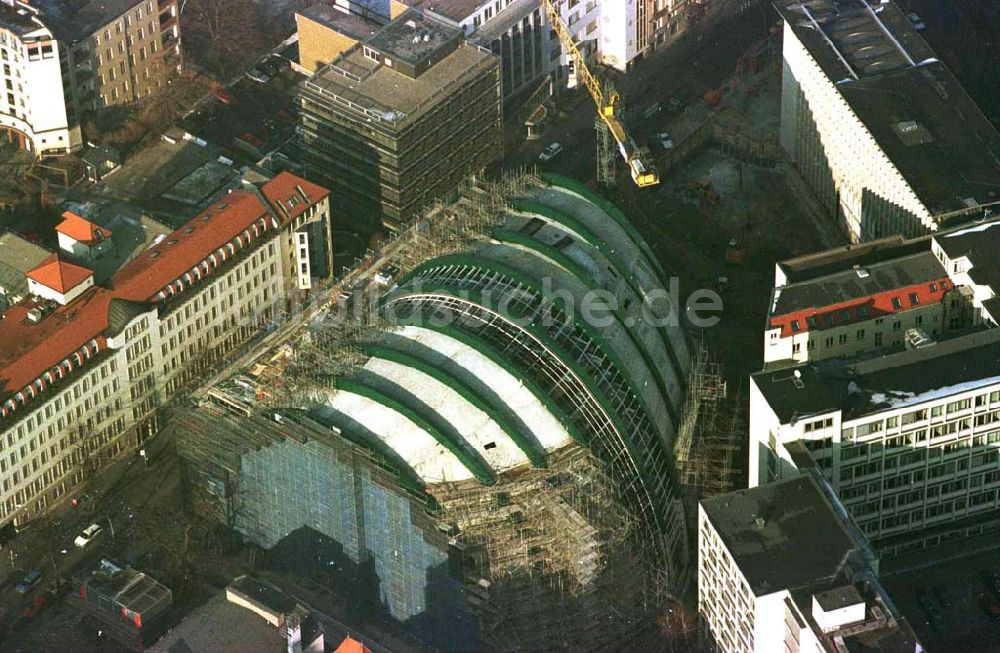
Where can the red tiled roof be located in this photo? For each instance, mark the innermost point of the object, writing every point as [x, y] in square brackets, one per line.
[59, 275]
[82, 230]
[876, 305]
[351, 645]
[28, 349]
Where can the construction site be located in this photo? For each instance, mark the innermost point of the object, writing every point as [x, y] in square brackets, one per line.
[514, 469]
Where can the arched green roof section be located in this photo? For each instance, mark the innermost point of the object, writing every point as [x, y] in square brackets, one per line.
[627, 372]
[559, 217]
[472, 462]
[609, 208]
[485, 349]
[559, 258]
[476, 297]
[525, 441]
[564, 219]
[384, 455]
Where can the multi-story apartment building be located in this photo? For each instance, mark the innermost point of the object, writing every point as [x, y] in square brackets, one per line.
[83, 367]
[909, 441]
[401, 118]
[884, 295]
[782, 568]
[880, 129]
[61, 59]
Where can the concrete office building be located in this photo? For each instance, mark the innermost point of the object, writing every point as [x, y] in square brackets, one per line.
[84, 367]
[61, 59]
[884, 295]
[909, 441]
[399, 120]
[881, 130]
[782, 568]
[507, 481]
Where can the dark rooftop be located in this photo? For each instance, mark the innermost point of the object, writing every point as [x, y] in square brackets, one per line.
[846, 285]
[415, 39]
[456, 10]
[838, 597]
[781, 535]
[892, 381]
[981, 244]
[75, 20]
[352, 25]
[818, 264]
[916, 110]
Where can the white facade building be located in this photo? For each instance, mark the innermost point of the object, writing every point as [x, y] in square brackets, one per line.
[909, 441]
[781, 568]
[80, 382]
[884, 296]
[33, 104]
[879, 128]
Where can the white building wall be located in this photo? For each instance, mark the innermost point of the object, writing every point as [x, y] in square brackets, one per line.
[40, 453]
[618, 33]
[45, 292]
[899, 469]
[855, 159]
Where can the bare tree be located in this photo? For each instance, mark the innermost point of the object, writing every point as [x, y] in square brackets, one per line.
[224, 35]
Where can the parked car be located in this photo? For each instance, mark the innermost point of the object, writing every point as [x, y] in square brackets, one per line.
[28, 583]
[652, 110]
[916, 22]
[550, 152]
[223, 96]
[88, 535]
[257, 75]
[665, 141]
[36, 608]
[386, 275]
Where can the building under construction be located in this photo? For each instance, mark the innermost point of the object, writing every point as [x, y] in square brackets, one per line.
[402, 117]
[493, 440]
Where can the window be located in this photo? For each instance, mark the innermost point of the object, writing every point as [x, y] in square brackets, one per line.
[796, 348]
[933, 287]
[914, 299]
[896, 303]
[845, 315]
[862, 312]
[829, 342]
[811, 322]
[860, 334]
[795, 325]
[842, 339]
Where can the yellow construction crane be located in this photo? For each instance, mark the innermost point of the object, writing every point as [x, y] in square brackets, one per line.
[640, 164]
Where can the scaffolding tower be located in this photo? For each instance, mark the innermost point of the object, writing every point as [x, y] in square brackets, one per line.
[707, 444]
[605, 154]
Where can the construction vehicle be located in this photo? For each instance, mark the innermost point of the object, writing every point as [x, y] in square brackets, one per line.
[609, 109]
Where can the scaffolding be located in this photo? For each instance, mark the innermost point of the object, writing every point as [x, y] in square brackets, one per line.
[707, 445]
[546, 554]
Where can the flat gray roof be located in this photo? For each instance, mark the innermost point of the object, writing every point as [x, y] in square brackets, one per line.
[892, 381]
[381, 93]
[981, 244]
[916, 110]
[74, 20]
[456, 10]
[352, 25]
[781, 535]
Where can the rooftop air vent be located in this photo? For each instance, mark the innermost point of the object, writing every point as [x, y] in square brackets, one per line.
[861, 272]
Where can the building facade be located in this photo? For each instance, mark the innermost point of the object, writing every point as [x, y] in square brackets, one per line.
[398, 121]
[61, 60]
[83, 368]
[782, 568]
[879, 128]
[887, 296]
[909, 441]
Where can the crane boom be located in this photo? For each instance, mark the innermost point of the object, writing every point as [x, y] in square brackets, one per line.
[642, 169]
